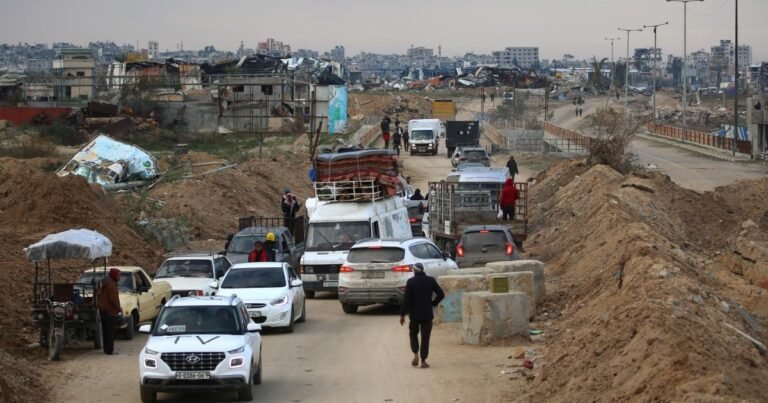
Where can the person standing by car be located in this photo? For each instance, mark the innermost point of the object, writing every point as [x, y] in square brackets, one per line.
[258, 254]
[417, 195]
[418, 304]
[271, 246]
[290, 207]
[508, 199]
[109, 309]
[512, 166]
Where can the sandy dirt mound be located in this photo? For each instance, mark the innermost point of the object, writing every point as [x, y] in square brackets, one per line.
[641, 288]
[34, 203]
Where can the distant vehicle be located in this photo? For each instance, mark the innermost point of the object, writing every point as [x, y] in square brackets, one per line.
[416, 210]
[272, 293]
[191, 273]
[201, 344]
[465, 166]
[461, 133]
[140, 297]
[443, 109]
[375, 271]
[483, 244]
[424, 135]
[472, 154]
[287, 249]
[508, 97]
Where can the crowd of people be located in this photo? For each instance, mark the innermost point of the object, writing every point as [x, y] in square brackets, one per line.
[398, 136]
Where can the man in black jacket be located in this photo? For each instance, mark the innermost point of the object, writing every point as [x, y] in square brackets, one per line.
[418, 304]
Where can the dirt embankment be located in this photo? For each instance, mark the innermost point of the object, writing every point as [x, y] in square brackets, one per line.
[643, 276]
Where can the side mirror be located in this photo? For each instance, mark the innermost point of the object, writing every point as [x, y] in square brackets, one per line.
[253, 327]
[446, 255]
[145, 328]
[214, 284]
[296, 283]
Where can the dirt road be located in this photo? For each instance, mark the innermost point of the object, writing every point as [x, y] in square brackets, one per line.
[333, 357]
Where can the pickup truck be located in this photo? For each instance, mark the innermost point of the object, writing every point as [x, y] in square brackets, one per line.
[140, 297]
[288, 249]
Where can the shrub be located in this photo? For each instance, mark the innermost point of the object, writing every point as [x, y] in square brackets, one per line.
[60, 133]
[28, 147]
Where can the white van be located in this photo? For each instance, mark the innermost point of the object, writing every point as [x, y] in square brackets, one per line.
[334, 226]
[424, 135]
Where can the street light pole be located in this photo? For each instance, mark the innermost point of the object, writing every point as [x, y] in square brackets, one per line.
[654, 64]
[736, 82]
[685, 60]
[613, 72]
[626, 73]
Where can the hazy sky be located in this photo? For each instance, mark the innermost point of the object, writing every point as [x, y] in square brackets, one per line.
[391, 26]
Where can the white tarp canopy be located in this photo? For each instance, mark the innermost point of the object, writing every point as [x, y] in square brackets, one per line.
[105, 161]
[71, 244]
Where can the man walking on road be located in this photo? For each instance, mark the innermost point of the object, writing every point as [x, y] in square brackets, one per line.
[418, 303]
[512, 167]
[109, 309]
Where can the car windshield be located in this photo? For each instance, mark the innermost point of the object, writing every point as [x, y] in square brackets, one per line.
[336, 235]
[260, 277]
[422, 135]
[375, 255]
[484, 242]
[181, 320]
[244, 243]
[124, 284]
[197, 268]
[474, 154]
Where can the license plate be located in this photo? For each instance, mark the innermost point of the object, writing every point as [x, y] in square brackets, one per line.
[373, 274]
[193, 375]
[254, 314]
[330, 284]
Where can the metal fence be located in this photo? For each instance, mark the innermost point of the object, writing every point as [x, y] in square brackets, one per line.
[545, 145]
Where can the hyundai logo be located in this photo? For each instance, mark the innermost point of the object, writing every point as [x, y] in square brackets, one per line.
[192, 359]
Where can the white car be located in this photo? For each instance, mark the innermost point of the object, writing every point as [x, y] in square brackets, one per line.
[375, 271]
[272, 293]
[192, 273]
[201, 344]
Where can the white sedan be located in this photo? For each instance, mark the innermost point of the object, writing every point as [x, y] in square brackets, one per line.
[272, 292]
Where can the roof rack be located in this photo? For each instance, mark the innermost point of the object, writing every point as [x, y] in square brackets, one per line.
[232, 299]
[349, 191]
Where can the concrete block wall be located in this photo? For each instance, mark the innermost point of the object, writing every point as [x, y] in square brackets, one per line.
[514, 266]
[488, 317]
[449, 309]
[520, 282]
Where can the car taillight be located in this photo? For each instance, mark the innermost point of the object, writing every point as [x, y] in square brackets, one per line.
[346, 269]
[412, 219]
[200, 293]
[460, 250]
[510, 248]
[402, 269]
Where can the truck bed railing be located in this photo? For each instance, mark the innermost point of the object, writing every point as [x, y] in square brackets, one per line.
[347, 191]
[296, 226]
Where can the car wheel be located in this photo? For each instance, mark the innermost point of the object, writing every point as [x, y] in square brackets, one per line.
[147, 396]
[303, 317]
[257, 377]
[309, 294]
[246, 393]
[289, 328]
[348, 308]
[55, 345]
[130, 328]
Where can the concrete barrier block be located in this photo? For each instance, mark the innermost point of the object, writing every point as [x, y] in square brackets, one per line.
[487, 317]
[474, 270]
[449, 309]
[520, 282]
[513, 266]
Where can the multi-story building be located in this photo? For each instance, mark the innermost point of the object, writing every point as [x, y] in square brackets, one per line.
[306, 53]
[523, 57]
[152, 50]
[337, 54]
[272, 47]
[75, 68]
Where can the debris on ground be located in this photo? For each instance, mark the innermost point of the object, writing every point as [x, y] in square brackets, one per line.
[107, 161]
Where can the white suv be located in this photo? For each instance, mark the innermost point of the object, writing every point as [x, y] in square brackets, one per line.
[375, 271]
[192, 273]
[201, 344]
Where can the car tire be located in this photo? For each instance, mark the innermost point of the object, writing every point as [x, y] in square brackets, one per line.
[309, 294]
[246, 393]
[130, 328]
[55, 345]
[289, 328]
[147, 396]
[348, 308]
[303, 317]
[259, 371]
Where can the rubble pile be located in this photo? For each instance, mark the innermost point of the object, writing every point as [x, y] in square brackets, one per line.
[644, 286]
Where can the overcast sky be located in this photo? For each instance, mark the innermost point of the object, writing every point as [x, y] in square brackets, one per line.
[391, 26]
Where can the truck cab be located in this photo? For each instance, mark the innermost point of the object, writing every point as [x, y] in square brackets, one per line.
[424, 135]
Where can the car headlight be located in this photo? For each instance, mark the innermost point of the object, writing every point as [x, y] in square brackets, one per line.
[147, 350]
[237, 350]
[280, 301]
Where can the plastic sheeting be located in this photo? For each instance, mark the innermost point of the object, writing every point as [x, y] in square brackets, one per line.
[105, 160]
[71, 244]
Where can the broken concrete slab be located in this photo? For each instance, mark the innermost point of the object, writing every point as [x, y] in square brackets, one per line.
[449, 309]
[520, 282]
[513, 266]
[107, 161]
[473, 270]
[488, 317]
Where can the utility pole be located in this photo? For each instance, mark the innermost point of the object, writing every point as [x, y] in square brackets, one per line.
[736, 82]
[654, 64]
[613, 72]
[626, 74]
[685, 61]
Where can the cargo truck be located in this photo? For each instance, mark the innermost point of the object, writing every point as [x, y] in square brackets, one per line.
[443, 109]
[461, 133]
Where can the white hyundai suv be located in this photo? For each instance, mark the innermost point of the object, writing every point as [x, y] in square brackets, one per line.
[375, 271]
[201, 344]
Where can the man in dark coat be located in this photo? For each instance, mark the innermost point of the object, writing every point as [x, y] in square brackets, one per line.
[418, 304]
[109, 309]
[417, 195]
[512, 166]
